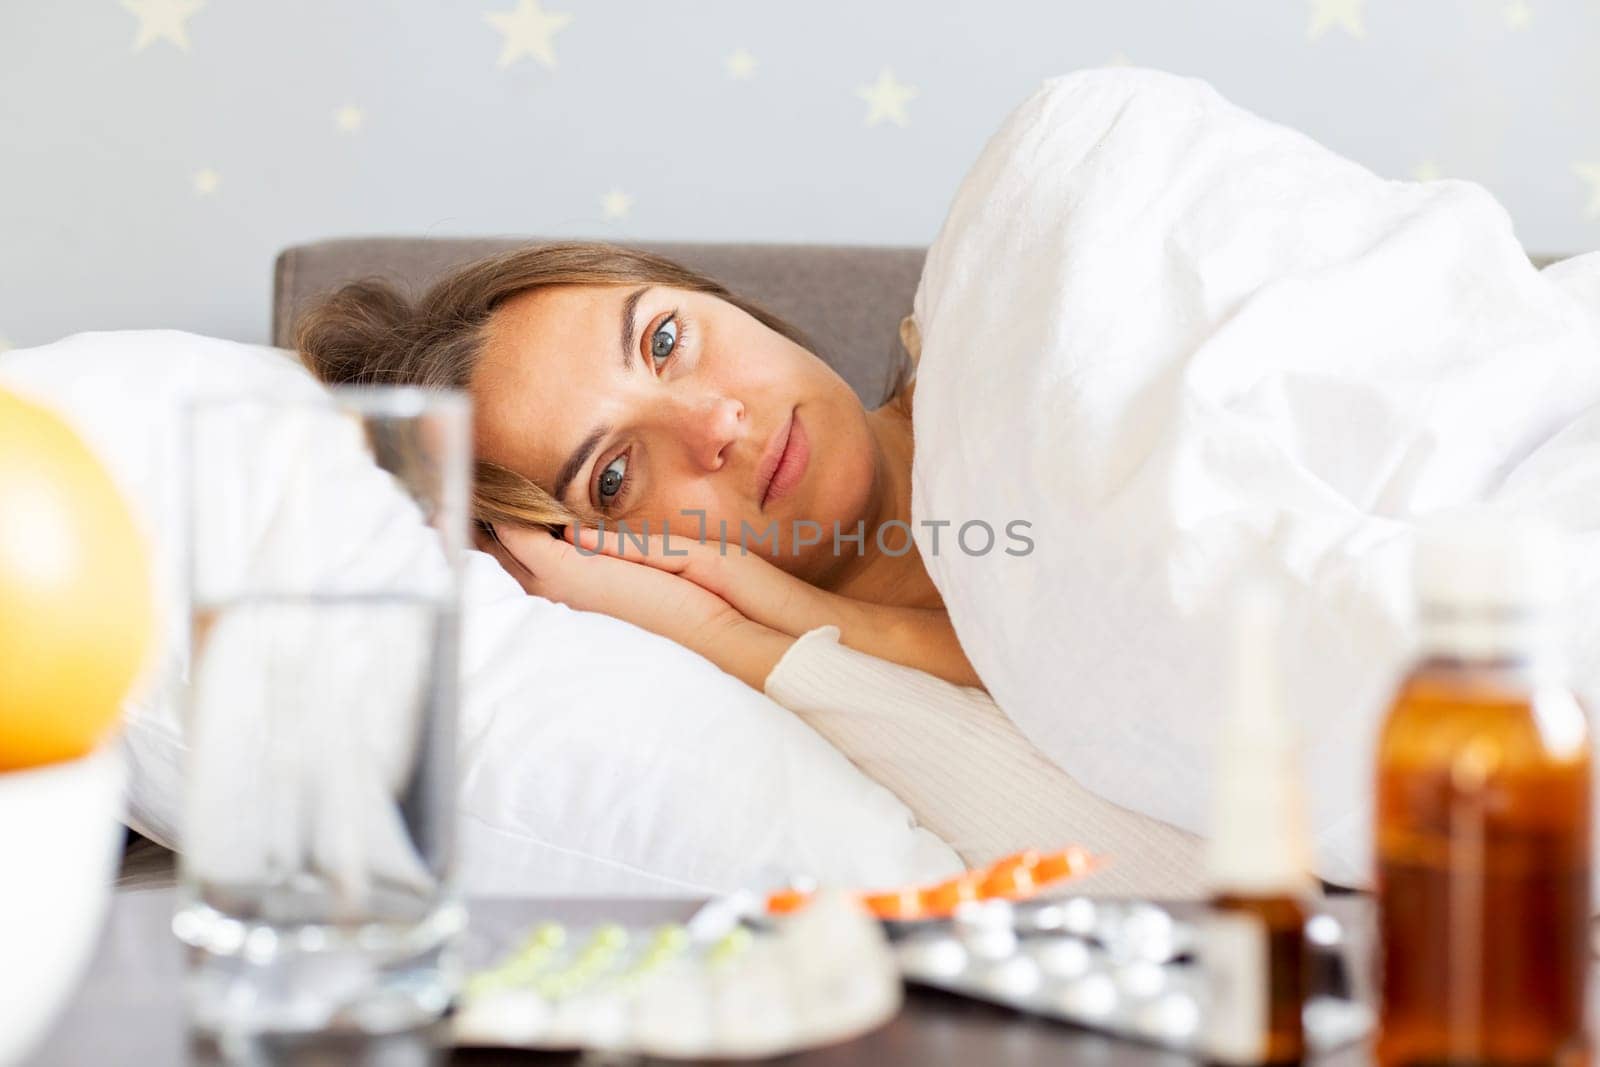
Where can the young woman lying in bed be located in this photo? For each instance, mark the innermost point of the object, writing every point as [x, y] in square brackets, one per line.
[1212, 351]
[618, 394]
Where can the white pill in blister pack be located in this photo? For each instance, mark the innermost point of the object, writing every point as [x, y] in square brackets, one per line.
[1141, 979]
[990, 944]
[1015, 976]
[1175, 1018]
[1149, 933]
[1092, 998]
[1060, 957]
[1079, 916]
[943, 957]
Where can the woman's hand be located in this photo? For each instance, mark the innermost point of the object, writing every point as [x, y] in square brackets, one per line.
[654, 599]
[764, 593]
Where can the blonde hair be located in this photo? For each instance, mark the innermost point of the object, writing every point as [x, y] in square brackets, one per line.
[367, 333]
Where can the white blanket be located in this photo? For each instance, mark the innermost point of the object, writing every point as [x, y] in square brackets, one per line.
[1190, 346]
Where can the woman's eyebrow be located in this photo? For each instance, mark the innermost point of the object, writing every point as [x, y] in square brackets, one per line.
[580, 456]
[629, 307]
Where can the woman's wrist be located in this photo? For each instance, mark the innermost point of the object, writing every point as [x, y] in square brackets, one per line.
[745, 649]
[913, 637]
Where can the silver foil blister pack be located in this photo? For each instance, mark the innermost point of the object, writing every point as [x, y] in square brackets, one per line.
[1127, 968]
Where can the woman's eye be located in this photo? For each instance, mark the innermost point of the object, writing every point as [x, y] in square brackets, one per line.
[664, 340]
[611, 479]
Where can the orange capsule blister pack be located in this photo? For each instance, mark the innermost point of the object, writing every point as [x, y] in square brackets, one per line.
[1015, 877]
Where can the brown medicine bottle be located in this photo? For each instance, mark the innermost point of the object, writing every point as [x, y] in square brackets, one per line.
[1483, 812]
[1258, 858]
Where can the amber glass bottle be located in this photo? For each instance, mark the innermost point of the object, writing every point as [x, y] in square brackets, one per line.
[1483, 809]
[1252, 936]
[1270, 932]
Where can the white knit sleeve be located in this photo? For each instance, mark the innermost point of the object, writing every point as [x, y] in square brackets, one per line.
[966, 771]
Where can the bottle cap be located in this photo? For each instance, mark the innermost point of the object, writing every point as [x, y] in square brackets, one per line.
[1489, 563]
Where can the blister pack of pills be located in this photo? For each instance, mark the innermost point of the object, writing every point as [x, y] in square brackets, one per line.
[1121, 967]
[1018, 876]
[711, 987]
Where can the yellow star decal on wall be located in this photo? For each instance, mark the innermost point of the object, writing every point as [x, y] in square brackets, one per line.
[349, 119]
[162, 20]
[1426, 171]
[528, 30]
[616, 204]
[886, 100]
[1348, 15]
[206, 182]
[1590, 172]
[1518, 15]
[740, 64]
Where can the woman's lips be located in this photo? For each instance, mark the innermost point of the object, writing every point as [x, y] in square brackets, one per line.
[784, 462]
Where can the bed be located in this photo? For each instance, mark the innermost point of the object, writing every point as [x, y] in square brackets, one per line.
[848, 299]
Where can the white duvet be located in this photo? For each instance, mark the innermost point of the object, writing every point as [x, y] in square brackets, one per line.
[1189, 346]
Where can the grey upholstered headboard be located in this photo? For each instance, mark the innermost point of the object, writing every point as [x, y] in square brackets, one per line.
[848, 300]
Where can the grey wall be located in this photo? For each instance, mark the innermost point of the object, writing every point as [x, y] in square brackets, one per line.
[151, 185]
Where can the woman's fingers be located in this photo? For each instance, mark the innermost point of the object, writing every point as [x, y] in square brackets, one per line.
[658, 551]
[492, 545]
[547, 566]
[535, 549]
[759, 589]
[668, 604]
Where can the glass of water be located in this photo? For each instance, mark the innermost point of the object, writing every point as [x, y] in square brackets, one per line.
[326, 536]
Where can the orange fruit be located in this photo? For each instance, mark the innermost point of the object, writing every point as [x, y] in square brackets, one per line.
[76, 611]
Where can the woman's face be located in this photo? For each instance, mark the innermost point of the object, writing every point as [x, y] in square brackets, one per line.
[645, 403]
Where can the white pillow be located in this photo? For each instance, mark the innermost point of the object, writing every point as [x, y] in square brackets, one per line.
[595, 758]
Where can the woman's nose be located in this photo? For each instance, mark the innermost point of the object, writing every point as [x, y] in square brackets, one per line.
[713, 424]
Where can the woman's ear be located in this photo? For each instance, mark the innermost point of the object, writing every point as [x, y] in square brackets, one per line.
[911, 338]
[483, 536]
